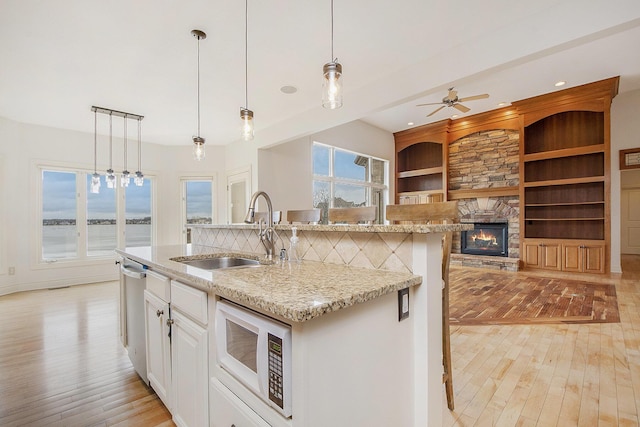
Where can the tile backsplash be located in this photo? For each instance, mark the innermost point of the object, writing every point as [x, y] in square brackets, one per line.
[385, 251]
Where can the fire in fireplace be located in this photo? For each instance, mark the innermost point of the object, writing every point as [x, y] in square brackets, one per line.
[486, 239]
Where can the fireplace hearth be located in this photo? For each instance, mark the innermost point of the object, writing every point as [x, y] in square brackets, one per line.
[489, 239]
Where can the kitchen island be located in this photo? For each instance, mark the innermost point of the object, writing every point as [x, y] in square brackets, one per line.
[354, 361]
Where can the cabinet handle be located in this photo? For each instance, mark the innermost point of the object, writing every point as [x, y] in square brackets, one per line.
[169, 322]
[159, 313]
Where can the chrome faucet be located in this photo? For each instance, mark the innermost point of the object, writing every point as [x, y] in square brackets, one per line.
[266, 235]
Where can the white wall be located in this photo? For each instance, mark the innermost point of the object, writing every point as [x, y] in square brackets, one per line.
[23, 147]
[625, 133]
[284, 171]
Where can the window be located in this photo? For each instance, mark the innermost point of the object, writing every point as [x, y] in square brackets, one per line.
[344, 179]
[102, 232]
[59, 215]
[138, 229]
[77, 224]
[197, 203]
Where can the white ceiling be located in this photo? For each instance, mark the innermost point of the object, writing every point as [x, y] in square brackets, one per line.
[57, 59]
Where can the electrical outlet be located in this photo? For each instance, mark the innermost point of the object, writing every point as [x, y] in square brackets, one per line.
[12, 271]
[403, 304]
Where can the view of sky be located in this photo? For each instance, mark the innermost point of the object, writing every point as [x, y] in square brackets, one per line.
[199, 199]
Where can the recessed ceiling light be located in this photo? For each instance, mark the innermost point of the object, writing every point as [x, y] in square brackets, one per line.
[455, 116]
[410, 124]
[288, 89]
[502, 104]
[560, 83]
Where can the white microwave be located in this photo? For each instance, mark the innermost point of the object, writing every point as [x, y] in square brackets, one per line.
[256, 350]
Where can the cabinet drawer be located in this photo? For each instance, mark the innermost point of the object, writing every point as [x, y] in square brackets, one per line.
[190, 301]
[159, 285]
[228, 410]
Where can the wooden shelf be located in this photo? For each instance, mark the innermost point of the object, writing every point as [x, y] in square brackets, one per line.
[564, 204]
[420, 172]
[558, 182]
[567, 152]
[417, 193]
[565, 219]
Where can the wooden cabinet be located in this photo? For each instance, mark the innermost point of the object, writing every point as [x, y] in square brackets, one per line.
[564, 174]
[420, 163]
[542, 254]
[583, 257]
[158, 346]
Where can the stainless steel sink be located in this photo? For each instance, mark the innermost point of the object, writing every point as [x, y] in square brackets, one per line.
[220, 262]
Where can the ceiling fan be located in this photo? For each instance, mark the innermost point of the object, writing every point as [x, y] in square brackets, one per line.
[452, 100]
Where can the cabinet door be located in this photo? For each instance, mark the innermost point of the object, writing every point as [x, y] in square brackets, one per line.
[532, 252]
[228, 410]
[572, 257]
[158, 346]
[593, 258]
[190, 398]
[551, 256]
[583, 258]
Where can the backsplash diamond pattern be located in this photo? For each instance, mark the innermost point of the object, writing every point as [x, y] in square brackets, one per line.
[387, 251]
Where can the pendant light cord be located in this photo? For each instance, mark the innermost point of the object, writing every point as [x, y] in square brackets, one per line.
[95, 142]
[332, 59]
[198, 86]
[125, 142]
[111, 141]
[246, 54]
[139, 146]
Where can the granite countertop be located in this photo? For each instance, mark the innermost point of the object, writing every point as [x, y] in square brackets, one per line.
[296, 292]
[361, 228]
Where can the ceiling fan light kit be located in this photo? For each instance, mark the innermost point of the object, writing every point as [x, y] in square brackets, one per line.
[452, 100]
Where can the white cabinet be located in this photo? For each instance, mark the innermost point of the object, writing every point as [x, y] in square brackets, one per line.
[228, 410]
[189, 359]
[158, 346]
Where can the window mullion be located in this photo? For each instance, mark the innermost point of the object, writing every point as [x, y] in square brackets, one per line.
[81, 214]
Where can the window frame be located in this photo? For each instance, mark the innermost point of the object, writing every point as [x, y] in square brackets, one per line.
[82, 258]
[368, 183]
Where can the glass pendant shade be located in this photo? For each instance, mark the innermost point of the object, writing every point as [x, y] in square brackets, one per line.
[332, 85]
[198, 148]
[125, 178]
[95, 183]
[247, 124]
[111, 179]
[139, 179]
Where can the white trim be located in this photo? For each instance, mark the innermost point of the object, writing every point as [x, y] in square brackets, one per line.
[242, 174]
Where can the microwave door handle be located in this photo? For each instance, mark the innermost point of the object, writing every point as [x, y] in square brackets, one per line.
[262, 355]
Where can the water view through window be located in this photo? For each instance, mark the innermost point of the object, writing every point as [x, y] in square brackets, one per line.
[62, 203]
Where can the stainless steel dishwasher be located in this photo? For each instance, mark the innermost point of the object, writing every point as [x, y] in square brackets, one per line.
[132, 284]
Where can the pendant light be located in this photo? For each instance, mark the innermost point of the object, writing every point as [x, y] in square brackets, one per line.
[246, 115]
[198, 141]
[139, 179]
[332, 78]
[111, 177]
[95, 178]
[125, 178]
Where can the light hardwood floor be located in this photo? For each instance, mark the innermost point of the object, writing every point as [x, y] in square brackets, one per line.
[61, 364]
[552, 375]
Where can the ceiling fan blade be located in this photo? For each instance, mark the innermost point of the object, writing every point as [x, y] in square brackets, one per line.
[435, 111]
[461, 107]
[431, 103]
[474, 97]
